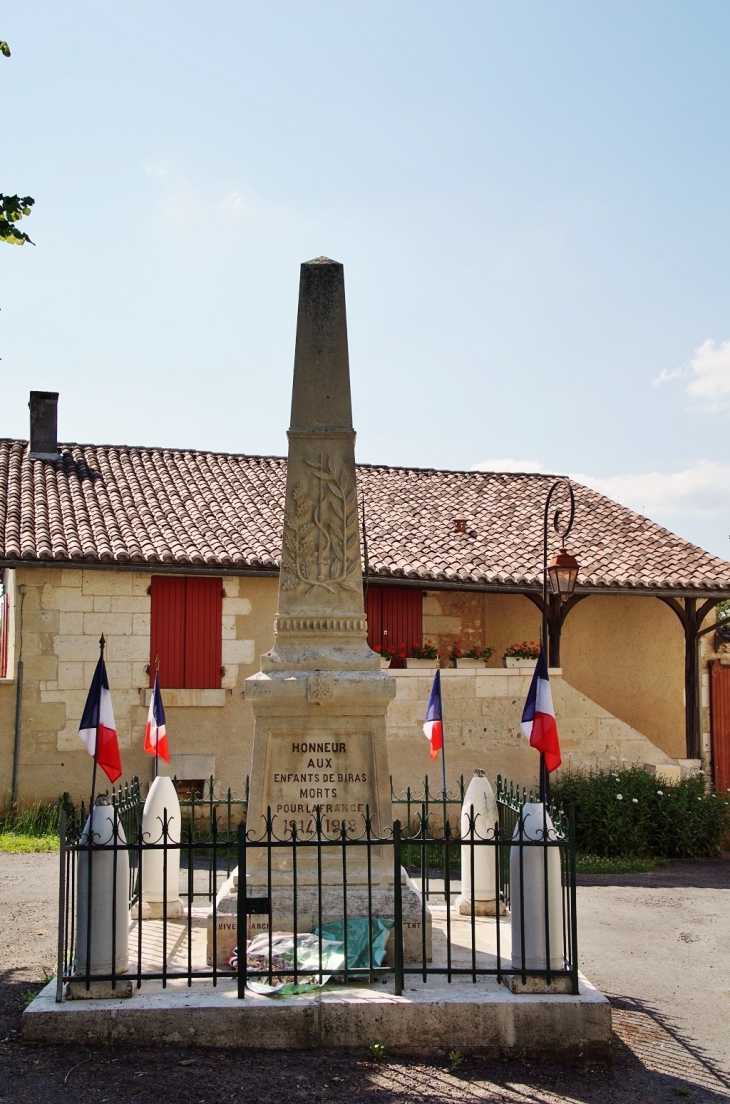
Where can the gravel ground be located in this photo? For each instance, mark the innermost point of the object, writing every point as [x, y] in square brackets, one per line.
[657, 943]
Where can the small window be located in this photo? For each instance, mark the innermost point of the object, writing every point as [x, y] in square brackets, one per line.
[7, 624]
[187, 787]
[186, 632]
[4, 631]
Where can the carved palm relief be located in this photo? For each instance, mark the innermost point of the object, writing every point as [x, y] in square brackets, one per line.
[320, 532]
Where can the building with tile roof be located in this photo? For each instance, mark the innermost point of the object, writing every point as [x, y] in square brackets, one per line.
[102, 538]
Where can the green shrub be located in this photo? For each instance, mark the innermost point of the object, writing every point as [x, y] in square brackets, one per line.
[630, 813]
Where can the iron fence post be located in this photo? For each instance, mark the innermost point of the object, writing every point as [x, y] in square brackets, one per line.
[397, 911]
[61, 909]
[165, 827]
[573, 903]
[241, 911]
[115, 860]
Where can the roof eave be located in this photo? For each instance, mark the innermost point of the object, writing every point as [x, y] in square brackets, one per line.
[373, 580]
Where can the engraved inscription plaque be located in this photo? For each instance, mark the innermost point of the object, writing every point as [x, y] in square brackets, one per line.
[333, 773]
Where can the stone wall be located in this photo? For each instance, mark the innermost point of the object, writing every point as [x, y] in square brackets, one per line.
[482, 711]
[65, 612]
[625, 653]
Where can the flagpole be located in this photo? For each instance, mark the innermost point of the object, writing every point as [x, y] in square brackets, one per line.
[564, 591]
[157, 738]
[443, 749]
[544, 776]
[102, 643]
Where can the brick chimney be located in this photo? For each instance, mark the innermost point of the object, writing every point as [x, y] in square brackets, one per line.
[43, 425]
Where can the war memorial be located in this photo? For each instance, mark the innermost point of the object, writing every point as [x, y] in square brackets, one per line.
[328, 918]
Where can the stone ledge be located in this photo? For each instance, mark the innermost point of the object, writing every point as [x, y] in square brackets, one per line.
[470, 672]
[486, 1019]
[202, 698]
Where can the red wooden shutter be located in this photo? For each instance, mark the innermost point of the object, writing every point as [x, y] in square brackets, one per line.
[720, 724]
[373, 612]
[395, 617]
[203, 633]
[167, 633]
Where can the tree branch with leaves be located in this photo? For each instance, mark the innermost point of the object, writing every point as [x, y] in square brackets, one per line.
[13, 208]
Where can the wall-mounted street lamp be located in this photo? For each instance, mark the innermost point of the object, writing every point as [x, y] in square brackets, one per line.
[560, 576]
[562, 573]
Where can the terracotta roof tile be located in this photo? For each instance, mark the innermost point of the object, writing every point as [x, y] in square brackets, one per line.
[183, 508]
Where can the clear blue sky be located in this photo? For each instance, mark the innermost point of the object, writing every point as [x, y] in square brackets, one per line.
[531, 201]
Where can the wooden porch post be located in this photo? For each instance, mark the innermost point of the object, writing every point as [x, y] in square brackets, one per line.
[556, 614]
[693, 724]
[692, 618]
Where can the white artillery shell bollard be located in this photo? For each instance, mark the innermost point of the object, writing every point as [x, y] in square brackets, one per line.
[527, 887]
[162, 801]
[96, 934]
[479, 802]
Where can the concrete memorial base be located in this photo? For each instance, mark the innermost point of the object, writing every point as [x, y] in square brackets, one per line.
[308, 914]
[432, 1019]
[153, 910]
[485, 1019]
[481, 908]
[99, 990]
[534, 985]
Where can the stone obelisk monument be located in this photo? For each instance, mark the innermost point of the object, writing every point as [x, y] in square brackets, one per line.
[320, 698]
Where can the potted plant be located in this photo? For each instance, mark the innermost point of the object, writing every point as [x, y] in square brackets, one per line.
[424, 655]
[386, 657]
[476, 656]
[522, 655]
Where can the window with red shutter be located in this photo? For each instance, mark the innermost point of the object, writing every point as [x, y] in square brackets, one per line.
[186, 632]
[395, 618]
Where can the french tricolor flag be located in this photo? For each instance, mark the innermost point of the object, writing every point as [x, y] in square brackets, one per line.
[97, 723]
[433, 726]
[538, 717]
[155, 737]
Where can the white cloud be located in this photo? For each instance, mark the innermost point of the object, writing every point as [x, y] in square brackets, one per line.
[666, 375]
[509, 465]
[188, 207]
[710, 365]
[708, 371]
[700, 491]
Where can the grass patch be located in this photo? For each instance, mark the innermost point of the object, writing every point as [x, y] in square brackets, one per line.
[18, 843]
[619, 864]
[32, 828]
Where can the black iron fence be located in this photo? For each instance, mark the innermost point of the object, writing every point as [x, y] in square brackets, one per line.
[425, 901]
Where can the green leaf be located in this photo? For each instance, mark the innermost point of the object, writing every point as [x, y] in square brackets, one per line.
[4, 49]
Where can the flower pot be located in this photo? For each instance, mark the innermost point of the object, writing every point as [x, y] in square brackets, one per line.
[515, 661]
[421, 664]
[384, 664]
[470, 662]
